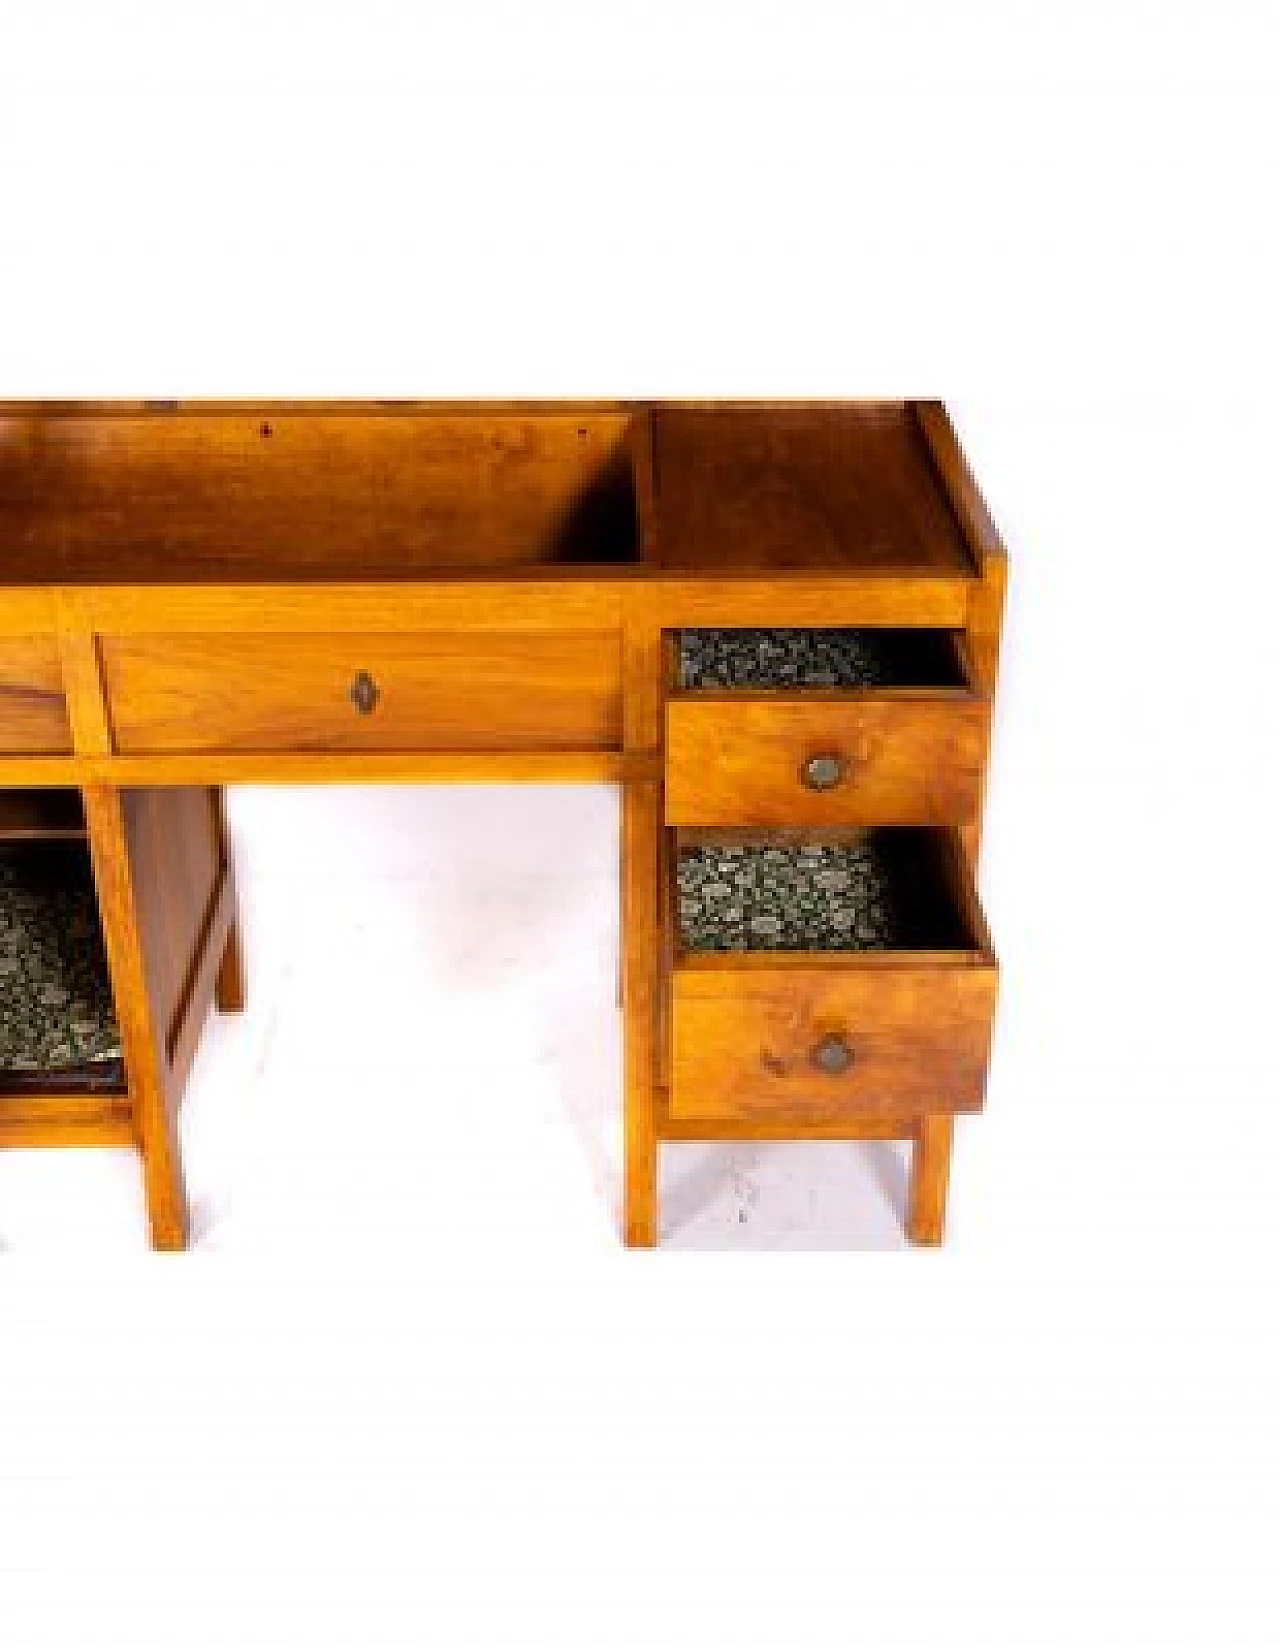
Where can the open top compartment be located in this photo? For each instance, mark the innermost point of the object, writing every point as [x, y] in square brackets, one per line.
[58, 1028]
[850, 487]
[189, 493]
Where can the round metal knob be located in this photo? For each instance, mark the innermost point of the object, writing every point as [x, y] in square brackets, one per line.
[364, 694]
[824, 771]
[832, 1056]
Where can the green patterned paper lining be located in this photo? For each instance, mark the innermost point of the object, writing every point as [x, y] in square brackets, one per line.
[882, 892]
[820, 898]
[825, 658]
[56, 1011]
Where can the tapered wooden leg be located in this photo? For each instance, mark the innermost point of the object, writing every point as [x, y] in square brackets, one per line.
[641, 827]
[930, 1174]
[156, 1127]
[229, 987]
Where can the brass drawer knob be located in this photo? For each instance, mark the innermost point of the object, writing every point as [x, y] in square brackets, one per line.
[364, 694]
[825, 771]
[832, 1056]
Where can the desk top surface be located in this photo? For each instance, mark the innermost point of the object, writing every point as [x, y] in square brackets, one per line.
[205, 493]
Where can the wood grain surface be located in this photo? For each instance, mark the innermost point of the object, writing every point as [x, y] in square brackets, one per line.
[33, 708]
[432, 691]
[740, 759]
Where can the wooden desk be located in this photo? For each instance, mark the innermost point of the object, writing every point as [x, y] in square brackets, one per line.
[194, 596]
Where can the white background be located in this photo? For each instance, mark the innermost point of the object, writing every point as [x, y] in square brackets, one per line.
[408, 1390]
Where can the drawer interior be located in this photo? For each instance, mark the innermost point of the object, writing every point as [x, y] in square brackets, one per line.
[887, 889]
[755, 660]
[58, 1027]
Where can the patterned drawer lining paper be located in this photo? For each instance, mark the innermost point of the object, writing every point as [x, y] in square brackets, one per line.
[797, 659]
[881, 893]
[57, 1020]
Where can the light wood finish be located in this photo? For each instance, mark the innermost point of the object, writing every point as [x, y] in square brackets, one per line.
[985, 615]
[66, 1121]
[86, 696]
[230, 993]
[641, 838]
[33, 707]
[970, 508]
[187, 593]
[986, 620]
[167, 907]
[814, 599]
[640, 833]
[174, 846]
[930, 1177]
[863, 1127]
[561, 600]
[208, 958]
[42, 771]
[411, 768]
[744, 1040]
[140, 1028]
[741, 758]
[431, 691]
[25, 612]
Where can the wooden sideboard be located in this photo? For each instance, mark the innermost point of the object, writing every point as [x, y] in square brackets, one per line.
[774, 626]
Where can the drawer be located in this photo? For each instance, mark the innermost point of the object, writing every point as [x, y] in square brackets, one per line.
[909, 747]
[425, 691]
[807, 1029]
[33, 708]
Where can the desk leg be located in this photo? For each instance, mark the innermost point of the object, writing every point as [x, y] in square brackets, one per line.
[141, 1037]
[229, 988]
[641, 827]
[229, 984]
[930, 1175]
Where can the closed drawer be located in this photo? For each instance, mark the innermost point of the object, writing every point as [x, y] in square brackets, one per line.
[33, 708]
[426, 691]
[772, 1036]
[910, 748]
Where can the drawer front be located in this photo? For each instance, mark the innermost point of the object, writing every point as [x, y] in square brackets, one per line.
[33, 708]
[791, 762]
[420, 692]
[815, 1046]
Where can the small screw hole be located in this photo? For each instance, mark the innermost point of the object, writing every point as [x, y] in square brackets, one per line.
[582, 433]
[264, 429]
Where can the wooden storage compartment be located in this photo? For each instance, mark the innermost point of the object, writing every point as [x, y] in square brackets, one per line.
[417, 692]
[848, 487]
[33, 707]
[823, 727]
[817, 983]
[295, 491]
[58, 1029]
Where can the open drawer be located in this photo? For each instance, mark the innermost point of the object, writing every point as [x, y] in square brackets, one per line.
[823, 727]
[816, 983]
